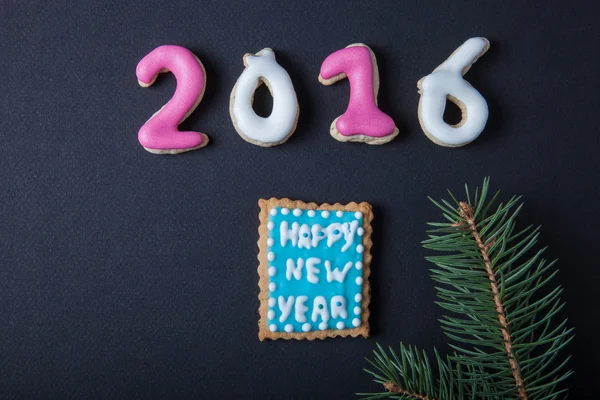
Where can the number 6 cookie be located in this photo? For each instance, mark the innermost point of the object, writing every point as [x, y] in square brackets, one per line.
[446, 82]
[281, 124]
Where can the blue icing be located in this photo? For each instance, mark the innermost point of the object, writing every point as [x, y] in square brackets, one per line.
[278, 256]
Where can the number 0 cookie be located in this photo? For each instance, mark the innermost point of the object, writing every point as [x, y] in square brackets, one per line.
[281, 124]
[314, 266]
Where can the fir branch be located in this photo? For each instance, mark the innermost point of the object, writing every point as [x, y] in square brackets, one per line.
[393, 388]
[466, 212]
[501, 323]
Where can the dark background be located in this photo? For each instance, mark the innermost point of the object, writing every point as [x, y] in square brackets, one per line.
[125, 274]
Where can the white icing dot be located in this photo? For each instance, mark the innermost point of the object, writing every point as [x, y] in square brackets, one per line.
[289, 328]
[272, 302]
[272, 287]
[356, 322]
[357, 310]
[271, 314]
[270, 225]
[340, 325]
[311, 213]
[271, 256]
[272, 271]
[360, 231]
[359, 281]
[273, 328]
[360, 248]
[358, 215]
[270, 242]
[297, 212]
[358, 265]
[323, 325]
[339, 214]
[358, 297]
[285, 211]
[273, 211]
[325, 214]
[306, 327]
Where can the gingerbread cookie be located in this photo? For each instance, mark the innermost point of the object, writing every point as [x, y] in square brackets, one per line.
[314, 267]
[281, 124]
[362, 121]
[159, 135]
[446, 82]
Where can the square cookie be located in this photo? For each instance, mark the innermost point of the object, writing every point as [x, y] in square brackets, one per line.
[314, 266]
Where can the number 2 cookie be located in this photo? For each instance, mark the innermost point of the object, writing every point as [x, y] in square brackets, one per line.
[314, 267]
[159, 134]
[446, 82]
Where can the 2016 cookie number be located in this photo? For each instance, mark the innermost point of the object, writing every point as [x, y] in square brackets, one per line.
[362, 121]
[159, 134]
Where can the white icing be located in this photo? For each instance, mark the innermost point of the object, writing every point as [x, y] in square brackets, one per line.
[272, 287]
[360, 231]
[272, 302]
[333, 237]
[447, 80]
[325, 214]
[323, 326]
[285, 306]
[292, 269]
[270, 225]
[307, 236]
[357, 310]
[285, 233]
[273, 328]
[282, 121]
[358, 265]
[273, 211]
[348, 230]
[338, 311]
[289, 328]
[306, 327]
[336, 274]
[315, 230]
[358, 297]
[272, 271]
[360, 249]
[311, 213]
[356, 322]
[270, 242]
[340, 325]
[358, 215]
[301, 309]
[359, 280]
[285, 211]
[271, 314]
[304, 239]
[339, 214]
[271, 256]
[297, 212]
[311, 270]
[322, 312]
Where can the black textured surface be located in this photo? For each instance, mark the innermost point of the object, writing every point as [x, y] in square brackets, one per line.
[125, 274]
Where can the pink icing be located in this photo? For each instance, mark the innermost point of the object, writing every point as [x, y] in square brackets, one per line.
[362, 117]
[160, 132]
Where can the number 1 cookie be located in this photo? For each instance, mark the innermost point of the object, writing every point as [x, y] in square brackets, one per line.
[314, 267]
[362, 121]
